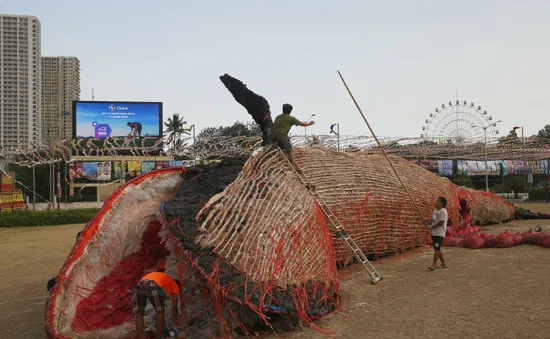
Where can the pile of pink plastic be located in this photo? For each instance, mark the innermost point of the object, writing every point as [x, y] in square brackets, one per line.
[473, 237]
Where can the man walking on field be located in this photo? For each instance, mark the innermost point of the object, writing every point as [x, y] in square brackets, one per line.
[281, 126]
[439, 228]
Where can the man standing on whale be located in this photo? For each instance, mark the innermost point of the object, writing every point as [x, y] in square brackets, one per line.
[281, 127]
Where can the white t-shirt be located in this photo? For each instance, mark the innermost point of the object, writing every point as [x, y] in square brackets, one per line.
[437, 216]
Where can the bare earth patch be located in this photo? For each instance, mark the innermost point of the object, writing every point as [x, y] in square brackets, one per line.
[486, 293]
[29, 257]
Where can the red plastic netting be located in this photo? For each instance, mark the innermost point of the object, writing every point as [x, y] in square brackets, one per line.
[505, 239]
[364, 193]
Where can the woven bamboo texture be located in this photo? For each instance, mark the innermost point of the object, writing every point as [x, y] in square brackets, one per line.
[267, 224]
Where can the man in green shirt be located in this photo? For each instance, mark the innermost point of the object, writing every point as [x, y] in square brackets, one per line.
[279, 131]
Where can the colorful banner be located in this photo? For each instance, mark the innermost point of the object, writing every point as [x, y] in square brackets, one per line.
[134, 168]
[6, 201]
[474, 168]
[518, 167]
[478, 167]
[429, 164]
[445, 168]
[161, 164]
[104, 171]
[147, 166]
[533, 167]
[543, 164]
[18, 201]
[461, 167]
[505, 167]
[217, 161]
[90, 170]
[75, 170]
[494, 167]
[175, 163]
[11, 201]
[119, 169]
[7, 182]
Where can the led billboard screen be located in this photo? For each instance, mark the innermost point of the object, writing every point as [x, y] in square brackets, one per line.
[103, 119]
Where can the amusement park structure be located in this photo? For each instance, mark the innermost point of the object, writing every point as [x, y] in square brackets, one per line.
[459, 123]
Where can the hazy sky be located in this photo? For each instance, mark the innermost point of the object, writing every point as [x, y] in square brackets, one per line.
[401, 58]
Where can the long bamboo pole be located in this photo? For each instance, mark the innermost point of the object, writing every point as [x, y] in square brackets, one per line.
[380, 145]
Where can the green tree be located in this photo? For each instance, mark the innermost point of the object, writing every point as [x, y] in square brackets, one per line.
[544, 134]
[514, 183]
[175, 127]
[511, 139]
[238, 129]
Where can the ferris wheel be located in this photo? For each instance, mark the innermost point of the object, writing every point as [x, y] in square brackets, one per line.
[459, 122]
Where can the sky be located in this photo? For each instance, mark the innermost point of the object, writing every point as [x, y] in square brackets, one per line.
[401, 59]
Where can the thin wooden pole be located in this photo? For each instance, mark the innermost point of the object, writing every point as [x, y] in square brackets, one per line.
[380, 145]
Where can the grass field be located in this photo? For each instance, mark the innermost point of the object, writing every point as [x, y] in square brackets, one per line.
[487, 293]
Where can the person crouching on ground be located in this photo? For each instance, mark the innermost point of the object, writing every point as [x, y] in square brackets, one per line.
[279, 131]
[155, 286]
[439, 228]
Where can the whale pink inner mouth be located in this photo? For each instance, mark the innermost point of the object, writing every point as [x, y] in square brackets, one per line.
[109, 304]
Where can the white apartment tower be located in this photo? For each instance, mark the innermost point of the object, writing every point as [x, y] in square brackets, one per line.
[60, 87]
[20, 80]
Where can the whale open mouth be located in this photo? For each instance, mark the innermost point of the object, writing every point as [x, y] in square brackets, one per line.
[93, 293]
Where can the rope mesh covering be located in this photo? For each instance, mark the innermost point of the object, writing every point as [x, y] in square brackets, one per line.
[268, 225]
[360, 189]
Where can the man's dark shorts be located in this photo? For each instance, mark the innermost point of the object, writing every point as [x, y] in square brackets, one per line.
[282, 141]
[438, 241]
[148, 289]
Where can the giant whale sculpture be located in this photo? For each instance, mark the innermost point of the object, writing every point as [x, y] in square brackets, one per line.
[248, 239]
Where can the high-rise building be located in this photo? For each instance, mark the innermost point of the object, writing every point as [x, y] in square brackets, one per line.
[60, 86]
[20, 80]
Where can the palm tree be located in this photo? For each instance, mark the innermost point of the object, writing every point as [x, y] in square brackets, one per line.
[175, 127]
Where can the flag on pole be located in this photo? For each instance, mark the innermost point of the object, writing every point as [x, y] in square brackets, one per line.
[332, 129]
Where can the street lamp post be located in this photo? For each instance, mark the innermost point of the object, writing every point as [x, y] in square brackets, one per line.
[485, 138]
[33, 183]
[486, 170]
[194, 143]
[64, 134]
[337, 134]
[522, 139]
[523, 152]
[305, 129]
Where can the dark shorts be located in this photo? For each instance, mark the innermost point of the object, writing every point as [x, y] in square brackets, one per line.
[147, 289]
[282, 141]
[438, 241]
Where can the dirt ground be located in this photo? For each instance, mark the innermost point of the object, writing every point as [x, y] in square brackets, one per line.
[486, 293]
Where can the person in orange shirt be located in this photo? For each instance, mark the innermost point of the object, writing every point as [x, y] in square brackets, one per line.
[155, 286]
